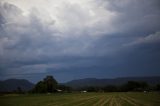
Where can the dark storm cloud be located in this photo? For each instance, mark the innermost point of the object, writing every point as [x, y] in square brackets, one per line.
[125, 44]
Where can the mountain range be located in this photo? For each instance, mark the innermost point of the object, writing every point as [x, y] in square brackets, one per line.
[116, 81]
[13, 84]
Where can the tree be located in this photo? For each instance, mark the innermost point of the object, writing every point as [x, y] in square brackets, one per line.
[40, 87]
[49, 84]
[144, 85]
[131, 85]
[158, 87]
[135, 86]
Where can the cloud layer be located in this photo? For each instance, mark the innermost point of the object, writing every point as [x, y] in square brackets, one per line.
[76, 39]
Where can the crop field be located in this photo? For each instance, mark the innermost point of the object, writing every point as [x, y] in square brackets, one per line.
[82, 99]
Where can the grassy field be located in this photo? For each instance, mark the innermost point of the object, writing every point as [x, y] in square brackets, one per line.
[82, 99]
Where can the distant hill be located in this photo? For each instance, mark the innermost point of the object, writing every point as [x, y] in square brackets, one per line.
[12, 85]
[116, 81]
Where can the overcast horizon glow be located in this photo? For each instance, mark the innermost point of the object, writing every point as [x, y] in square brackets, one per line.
[72, 39]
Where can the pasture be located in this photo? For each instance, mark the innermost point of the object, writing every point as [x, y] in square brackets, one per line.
[82, 99]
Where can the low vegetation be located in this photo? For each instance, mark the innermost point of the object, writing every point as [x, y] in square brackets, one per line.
[83, 99]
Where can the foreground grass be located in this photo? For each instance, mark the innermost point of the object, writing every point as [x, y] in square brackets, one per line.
[82, 99]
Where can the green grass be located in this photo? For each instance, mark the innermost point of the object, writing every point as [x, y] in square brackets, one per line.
[82, 99]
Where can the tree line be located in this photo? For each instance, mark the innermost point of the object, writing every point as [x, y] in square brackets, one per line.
[129, 86]
[50, 85]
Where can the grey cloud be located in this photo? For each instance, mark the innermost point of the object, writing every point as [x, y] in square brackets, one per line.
[134, 15]
[31, 44]
[152, 38]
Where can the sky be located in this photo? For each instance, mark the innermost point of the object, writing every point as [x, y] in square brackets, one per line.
[72, 39]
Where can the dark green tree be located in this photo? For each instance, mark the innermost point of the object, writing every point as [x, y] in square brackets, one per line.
[49, 84]
[158, 87]
[40, 87]
[144, 86]
[135, 86]
[131, 86]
